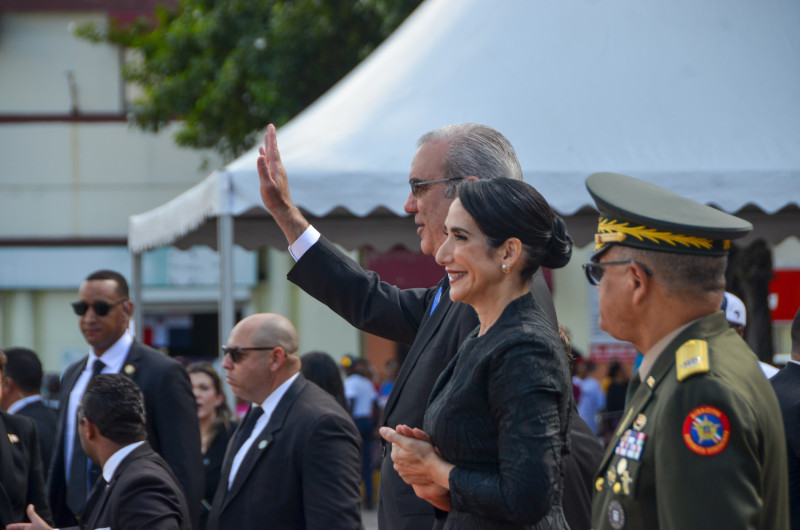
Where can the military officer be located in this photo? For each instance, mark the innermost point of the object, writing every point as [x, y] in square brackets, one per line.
[700, 444]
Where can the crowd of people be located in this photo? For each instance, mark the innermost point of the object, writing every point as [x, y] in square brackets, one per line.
[483, 426]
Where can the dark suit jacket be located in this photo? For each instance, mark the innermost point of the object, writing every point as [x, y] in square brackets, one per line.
[21, 476]
[45, 419]
[172, 428]
[786, 384]
[143, 494]
[404, 315]
[302, 471]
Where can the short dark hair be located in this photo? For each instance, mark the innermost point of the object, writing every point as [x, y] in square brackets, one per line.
[319, 368]
[106, 274]
[25, 368]
[2, 361]
[505, 208]
[114, 404]
[683, 275]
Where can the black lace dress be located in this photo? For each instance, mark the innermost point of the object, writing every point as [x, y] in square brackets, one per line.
[499, 412]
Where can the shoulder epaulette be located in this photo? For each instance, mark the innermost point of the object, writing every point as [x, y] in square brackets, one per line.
[691, 358]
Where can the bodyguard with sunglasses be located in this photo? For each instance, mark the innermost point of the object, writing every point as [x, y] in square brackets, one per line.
[294, 461]
[104, 311]
[700, 444]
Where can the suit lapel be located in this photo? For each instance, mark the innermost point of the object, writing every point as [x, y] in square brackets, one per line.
[6, 474]
[262, 443]
[427, 330]
[96, 503]
[132, 361]
[67, 384]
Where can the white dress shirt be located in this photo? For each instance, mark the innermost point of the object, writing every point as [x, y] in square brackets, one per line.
[361, 394]
[268, 406]
[306, 240]
[22, 403]
[116, 459]
[113, 359]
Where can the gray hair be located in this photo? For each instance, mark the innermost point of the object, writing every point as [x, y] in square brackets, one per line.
[683, 275]
[475, 150]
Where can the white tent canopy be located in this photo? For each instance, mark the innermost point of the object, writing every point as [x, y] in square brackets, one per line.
[698, 97]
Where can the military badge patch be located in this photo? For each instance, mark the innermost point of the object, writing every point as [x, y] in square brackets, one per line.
[706, 431]
[616, 515]
[630, 445]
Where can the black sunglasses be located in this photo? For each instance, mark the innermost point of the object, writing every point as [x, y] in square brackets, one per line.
[594, 271]
[237, 352]
[101, 308]
[420, 185]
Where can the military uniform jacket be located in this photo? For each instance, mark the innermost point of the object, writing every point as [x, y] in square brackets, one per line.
[701, 442]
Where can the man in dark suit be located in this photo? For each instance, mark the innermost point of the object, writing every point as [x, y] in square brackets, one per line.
[294, 462]
[22, 395]
[137, 490]
[786, 384]
[172, 429]
[426, 319]
[21, 474]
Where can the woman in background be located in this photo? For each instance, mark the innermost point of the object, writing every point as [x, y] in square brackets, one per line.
[320, 368]
[216, 427]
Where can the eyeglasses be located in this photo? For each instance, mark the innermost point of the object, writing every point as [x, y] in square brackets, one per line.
[420, 185]
[237, 352]
[594, 271]
[101, 307]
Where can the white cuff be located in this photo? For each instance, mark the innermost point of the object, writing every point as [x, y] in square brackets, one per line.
[306, 240]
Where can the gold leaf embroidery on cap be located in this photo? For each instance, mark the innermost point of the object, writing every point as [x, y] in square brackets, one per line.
[610, 226]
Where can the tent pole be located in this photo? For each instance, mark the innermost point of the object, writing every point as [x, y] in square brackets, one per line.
[136, 279]
[225, 249]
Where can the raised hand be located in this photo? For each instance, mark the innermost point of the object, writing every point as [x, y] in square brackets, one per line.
[275, 188]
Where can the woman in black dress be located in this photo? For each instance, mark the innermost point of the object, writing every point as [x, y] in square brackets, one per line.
[216, 427]
[491, 452]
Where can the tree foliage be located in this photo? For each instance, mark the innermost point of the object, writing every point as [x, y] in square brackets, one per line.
[228, 67]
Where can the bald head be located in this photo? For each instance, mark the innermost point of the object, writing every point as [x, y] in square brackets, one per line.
[268, 356]
[271, 329]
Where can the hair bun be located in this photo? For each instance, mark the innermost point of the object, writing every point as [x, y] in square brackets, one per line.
[559, 247]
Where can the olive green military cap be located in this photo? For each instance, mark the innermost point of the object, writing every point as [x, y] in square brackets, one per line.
[635, 213]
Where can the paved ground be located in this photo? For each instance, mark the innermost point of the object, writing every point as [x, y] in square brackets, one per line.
[369, 518]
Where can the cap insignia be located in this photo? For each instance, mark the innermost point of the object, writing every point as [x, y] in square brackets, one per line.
[610, 226]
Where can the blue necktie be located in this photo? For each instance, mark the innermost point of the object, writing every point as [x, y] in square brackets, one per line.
[436, 299]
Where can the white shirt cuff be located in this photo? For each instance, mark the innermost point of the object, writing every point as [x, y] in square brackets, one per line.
[306, 240]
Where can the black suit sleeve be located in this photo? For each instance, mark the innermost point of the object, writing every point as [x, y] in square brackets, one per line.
[173, 419]
[37, 494]
[359, 296]
[331, 475]
[146, 504]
